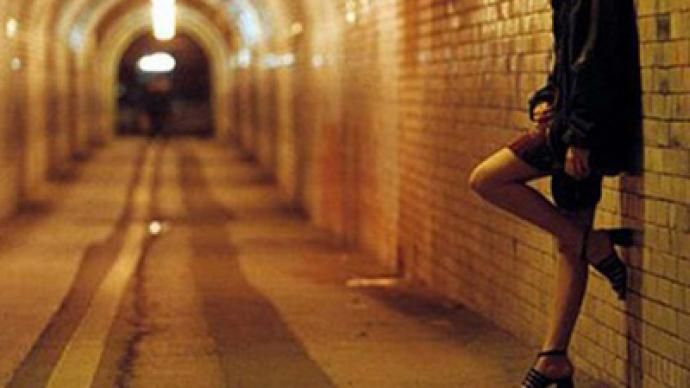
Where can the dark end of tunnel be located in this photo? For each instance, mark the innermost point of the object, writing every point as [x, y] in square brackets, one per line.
[173, 103]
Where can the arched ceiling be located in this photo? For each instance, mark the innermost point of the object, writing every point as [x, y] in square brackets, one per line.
[192, 22]
[244, 22]
[76, 19]
[121, 9]
[136, 22]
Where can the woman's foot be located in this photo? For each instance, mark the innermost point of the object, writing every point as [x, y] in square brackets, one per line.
[551, 367]
[554, 366]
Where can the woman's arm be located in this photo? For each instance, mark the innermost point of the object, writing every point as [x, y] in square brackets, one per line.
[592, 53]
[546, 94]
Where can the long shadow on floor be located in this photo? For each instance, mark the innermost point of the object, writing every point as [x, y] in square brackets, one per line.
[36, 368]
[255, 346]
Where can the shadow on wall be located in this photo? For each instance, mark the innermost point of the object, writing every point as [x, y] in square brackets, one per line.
[633, 214]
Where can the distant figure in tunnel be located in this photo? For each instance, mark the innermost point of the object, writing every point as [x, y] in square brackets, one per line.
[587, 124]
[157, 104]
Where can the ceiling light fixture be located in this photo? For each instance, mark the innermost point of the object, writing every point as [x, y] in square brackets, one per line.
[164, 15]
[11, 28]
[157, 63]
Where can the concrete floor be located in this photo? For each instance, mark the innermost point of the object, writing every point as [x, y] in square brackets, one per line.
[237, 291]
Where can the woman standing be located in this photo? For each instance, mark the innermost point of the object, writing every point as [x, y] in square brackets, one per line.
[587, 125]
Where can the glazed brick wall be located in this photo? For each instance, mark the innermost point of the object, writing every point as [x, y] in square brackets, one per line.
[285, 156]
[313, 144]
[63, 142]
[37, 120]
[8, 165]
[244, 109]
[469, 69]
[429, 88]
[372, 118]
[380, 121]
[267, 121]
[659, 317]
[23, 164]
[34, 102]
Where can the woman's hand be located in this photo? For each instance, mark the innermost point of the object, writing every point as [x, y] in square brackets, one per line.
[577, 162]
[543, 116]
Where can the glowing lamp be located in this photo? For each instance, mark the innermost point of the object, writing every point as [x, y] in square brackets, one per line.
[164, 15]
[11, 28]
[157, 63]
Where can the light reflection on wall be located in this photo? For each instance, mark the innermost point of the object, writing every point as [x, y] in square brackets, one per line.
[296, 28]
[243, 59]
[274, 61]
[11, 28]
[76, 35]
[351, 11]
[248, 20]
[317, 61]
[16, 64]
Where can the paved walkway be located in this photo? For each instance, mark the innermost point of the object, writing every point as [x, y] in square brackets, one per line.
[237, 290]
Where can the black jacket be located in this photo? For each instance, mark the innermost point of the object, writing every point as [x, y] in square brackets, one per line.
[595, 83]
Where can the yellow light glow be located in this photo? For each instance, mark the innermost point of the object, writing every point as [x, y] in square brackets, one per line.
[16, 64]
[164, 15]
[351, 11]
[288, 59]
[297, 28]
[372, 282]
[157, 63]
[244, 58]
[317, 60]
[155, 228]
[11, 28]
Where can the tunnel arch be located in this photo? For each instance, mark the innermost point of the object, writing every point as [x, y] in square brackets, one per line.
[86, 21]
[137, 23]
[92, 17]
[72, 94]
[81, 17]
[75, 85]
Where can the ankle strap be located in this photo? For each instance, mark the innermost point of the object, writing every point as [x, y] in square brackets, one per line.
[553, 352]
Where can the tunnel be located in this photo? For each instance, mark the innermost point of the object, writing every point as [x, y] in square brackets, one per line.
[189, 88]
[266, 193]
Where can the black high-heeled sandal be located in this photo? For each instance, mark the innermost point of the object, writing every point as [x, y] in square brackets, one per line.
[624, 237]
[612, 267]
[536, 379]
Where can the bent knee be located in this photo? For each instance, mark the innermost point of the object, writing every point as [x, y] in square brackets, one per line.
[566, 248]
[500, 169]
[481, 181]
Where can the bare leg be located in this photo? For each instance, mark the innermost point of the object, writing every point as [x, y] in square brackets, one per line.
[569, 291]
[501, 179]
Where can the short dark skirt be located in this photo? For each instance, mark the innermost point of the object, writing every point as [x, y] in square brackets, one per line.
[533, 148]
[568, 193]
